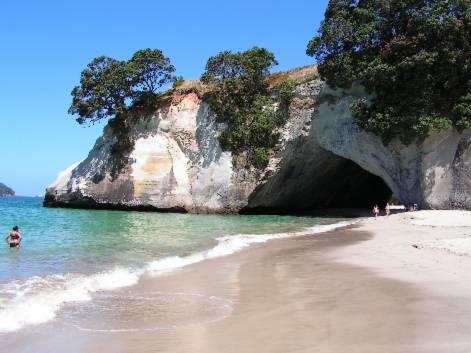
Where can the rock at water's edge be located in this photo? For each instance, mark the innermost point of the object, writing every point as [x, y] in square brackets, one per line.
[322, 160]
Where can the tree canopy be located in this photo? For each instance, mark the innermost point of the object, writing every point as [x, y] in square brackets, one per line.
[414, 57]
[110, 87]
[239, 95]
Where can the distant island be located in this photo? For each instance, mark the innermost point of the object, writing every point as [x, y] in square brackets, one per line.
[5, 190]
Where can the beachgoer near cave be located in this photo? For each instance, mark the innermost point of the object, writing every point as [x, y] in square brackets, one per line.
[388, 209]
[376, 211]
[14, 238]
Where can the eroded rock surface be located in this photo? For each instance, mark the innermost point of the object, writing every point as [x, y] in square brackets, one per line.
[322, 160]
[434, 173]
[176, 164]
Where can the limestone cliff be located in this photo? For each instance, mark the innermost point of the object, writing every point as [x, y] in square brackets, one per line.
[176, 164]
[322, 160]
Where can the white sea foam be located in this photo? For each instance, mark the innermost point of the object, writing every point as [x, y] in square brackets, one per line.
[37, 300]
[231, 244]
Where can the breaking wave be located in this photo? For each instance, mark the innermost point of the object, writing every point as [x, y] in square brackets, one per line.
[38, 299]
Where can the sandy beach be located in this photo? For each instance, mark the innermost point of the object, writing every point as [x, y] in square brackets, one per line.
[395, 284]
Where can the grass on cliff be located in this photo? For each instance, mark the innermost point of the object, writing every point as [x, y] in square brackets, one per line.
[298, 75]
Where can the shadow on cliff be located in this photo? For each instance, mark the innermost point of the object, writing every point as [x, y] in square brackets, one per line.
[330, 182]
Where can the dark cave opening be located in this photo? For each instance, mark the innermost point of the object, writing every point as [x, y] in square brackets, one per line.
[332, 183]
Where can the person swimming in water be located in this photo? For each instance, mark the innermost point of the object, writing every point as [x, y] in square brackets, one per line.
[14, 238]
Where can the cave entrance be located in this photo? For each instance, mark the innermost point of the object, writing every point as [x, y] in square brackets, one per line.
[324, 181]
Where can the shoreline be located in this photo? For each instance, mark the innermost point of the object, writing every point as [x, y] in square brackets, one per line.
[364, 288]
[43, 306]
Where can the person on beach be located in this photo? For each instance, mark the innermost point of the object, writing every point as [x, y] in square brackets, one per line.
[14, 238]
[388, 209]
[376, 211]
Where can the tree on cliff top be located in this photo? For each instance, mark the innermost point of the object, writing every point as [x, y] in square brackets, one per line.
[415, 56]
[239, 96]
[149, 70]
[110, 87]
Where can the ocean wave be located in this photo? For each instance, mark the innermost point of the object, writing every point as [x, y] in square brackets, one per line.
[38, 299]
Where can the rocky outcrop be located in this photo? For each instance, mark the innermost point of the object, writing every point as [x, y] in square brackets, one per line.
[322, 160]
[434, 173]
[5, 190]
[305, 175]
[176, 164]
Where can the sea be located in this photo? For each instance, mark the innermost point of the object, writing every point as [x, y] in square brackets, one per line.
[68, 255]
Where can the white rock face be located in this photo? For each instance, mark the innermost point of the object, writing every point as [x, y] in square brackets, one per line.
[176, 164]
[434, 174]
[322, 160]
[63, 178]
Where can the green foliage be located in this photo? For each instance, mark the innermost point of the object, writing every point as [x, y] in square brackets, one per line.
[252, 126]
[285, 91]
[261, 156]
[177, 81]
[122, 147]
[120, 127]
[109, 87]
[431, 123]
[148, 71]
[413, 56]
[239, 95]
[103, 90]
[237, 79]
[462, 110]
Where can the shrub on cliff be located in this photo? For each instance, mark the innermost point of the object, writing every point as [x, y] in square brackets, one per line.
[414, 56]
[239, 95]
[177, 81]
[285, 91]
[110, 87]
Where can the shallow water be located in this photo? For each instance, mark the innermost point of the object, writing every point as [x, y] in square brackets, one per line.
[66, 255]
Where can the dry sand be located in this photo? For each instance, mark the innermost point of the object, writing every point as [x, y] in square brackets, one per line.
[379, 286]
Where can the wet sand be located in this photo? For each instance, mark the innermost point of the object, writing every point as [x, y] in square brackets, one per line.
[361, 289]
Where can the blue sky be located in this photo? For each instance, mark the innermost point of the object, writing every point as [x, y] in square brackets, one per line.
[45, 44]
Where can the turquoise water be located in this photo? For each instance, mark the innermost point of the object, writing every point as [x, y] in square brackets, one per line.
[67, 254]
[67, 240]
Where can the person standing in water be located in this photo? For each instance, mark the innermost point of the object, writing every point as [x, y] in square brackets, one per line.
[14, 238]
[376, 211]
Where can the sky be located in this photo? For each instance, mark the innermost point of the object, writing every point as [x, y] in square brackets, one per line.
[44, 45]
